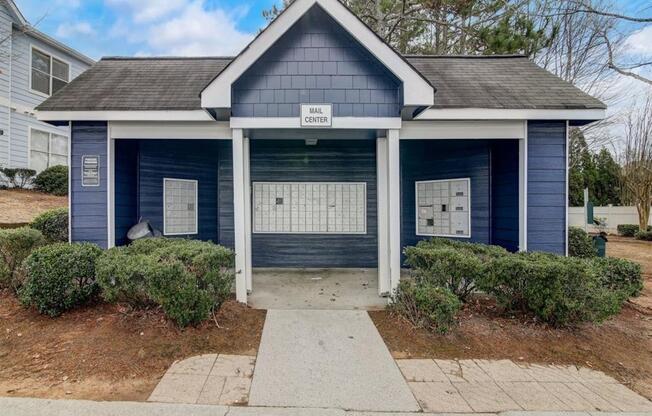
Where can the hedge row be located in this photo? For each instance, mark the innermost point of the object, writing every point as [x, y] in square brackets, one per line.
[558, 290]
[630, 230]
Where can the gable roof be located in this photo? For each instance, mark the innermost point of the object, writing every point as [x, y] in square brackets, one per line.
[417, 91]
[166, 84]
[22, 23]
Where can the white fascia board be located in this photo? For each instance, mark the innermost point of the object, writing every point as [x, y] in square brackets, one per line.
[170, 130]
[510, 114]
[416, 90]
[295, 123]
[471, 129]
[189, 115]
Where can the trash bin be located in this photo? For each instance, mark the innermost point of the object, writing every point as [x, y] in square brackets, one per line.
[600, 244]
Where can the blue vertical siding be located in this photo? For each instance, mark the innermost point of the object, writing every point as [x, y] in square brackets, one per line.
[328, 161]
[317, 61]
[179, 159]
[126, 188]
[547, 186]
[438, 159]
[504, 194]
[88, 204]
[225, 194]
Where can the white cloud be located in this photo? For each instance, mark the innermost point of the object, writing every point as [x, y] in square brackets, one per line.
[197, 31]
[192, 30]
[147, 10]
[639, 42]
[69, 30]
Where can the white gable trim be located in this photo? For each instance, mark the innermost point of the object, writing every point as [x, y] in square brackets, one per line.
[510, 114]
[416, 90]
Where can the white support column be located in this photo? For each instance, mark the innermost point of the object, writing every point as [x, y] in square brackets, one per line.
[247, 195]
[384, 282]
[394, 188]
[110, 188]
[522, 190]
[239, 215]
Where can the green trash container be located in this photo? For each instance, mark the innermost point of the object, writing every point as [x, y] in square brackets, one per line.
[600, 244]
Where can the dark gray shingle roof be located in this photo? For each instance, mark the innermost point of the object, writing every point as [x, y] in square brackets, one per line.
[511, 82]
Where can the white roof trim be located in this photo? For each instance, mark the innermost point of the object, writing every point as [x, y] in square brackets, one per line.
[190, 115]
[18, 15]
[510, 114]
[295, 123]
[416, 90]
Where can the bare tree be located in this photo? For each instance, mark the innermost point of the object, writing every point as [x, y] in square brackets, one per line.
[637, 159]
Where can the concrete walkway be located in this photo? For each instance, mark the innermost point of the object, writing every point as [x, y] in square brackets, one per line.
[40, 407]
[327, 359]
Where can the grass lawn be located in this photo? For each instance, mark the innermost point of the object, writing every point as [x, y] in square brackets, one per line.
[621, 347]
[19, 206]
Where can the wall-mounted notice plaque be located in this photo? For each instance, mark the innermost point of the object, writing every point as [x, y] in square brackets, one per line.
[91, 170]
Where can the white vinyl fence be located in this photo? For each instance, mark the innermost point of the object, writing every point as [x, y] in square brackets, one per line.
[613, 215]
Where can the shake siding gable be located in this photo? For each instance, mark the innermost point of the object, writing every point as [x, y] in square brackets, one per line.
[547, 186]
[318, 62]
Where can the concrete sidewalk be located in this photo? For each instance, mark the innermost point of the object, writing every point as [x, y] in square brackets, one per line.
[40, 407]
[327, 359]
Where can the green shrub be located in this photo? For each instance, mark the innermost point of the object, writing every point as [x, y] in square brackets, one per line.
[53, 225]
[187, 278]
[19, 177]
[580, 243]
[15, 245]
[123, 277]
[60, 277]
[456, 267]
[425, 305]
[53, 180]
[630, 230]
[559, 290]
[644, 235]
[619, 275]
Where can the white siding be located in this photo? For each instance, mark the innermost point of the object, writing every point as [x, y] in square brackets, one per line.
[22, 99]
[5, 48]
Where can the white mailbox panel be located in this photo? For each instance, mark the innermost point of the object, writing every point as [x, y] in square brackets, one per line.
[443, 208]
[310, 207]
[180, 206]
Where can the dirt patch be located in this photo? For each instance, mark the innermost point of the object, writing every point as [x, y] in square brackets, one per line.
[106, 352]
[621, 347]
[22, 206]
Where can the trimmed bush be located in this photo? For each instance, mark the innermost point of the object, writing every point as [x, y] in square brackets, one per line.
[19, 177]
[562, 291]
[627, 230]
[619, 275]
[53, 180]
[425, 305]
[580, 243]
[123, 277]
[15, 246]
[60, 277]
[187, 278]
[644, 235]
[53, 225]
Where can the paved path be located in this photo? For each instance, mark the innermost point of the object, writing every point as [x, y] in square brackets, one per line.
[40, 407]
[327, 359]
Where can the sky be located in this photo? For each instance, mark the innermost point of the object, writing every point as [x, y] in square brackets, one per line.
[149, 27]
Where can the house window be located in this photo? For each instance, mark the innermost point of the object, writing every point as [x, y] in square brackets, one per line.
[49, 74]
[310, 208]
[444, 208]
[179, 206]
[47, 149]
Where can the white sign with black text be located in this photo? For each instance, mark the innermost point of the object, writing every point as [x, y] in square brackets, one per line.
[316, 115]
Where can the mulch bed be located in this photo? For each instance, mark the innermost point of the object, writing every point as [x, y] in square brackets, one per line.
[109, 352]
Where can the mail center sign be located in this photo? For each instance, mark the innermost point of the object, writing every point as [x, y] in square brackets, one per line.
[316, 115]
